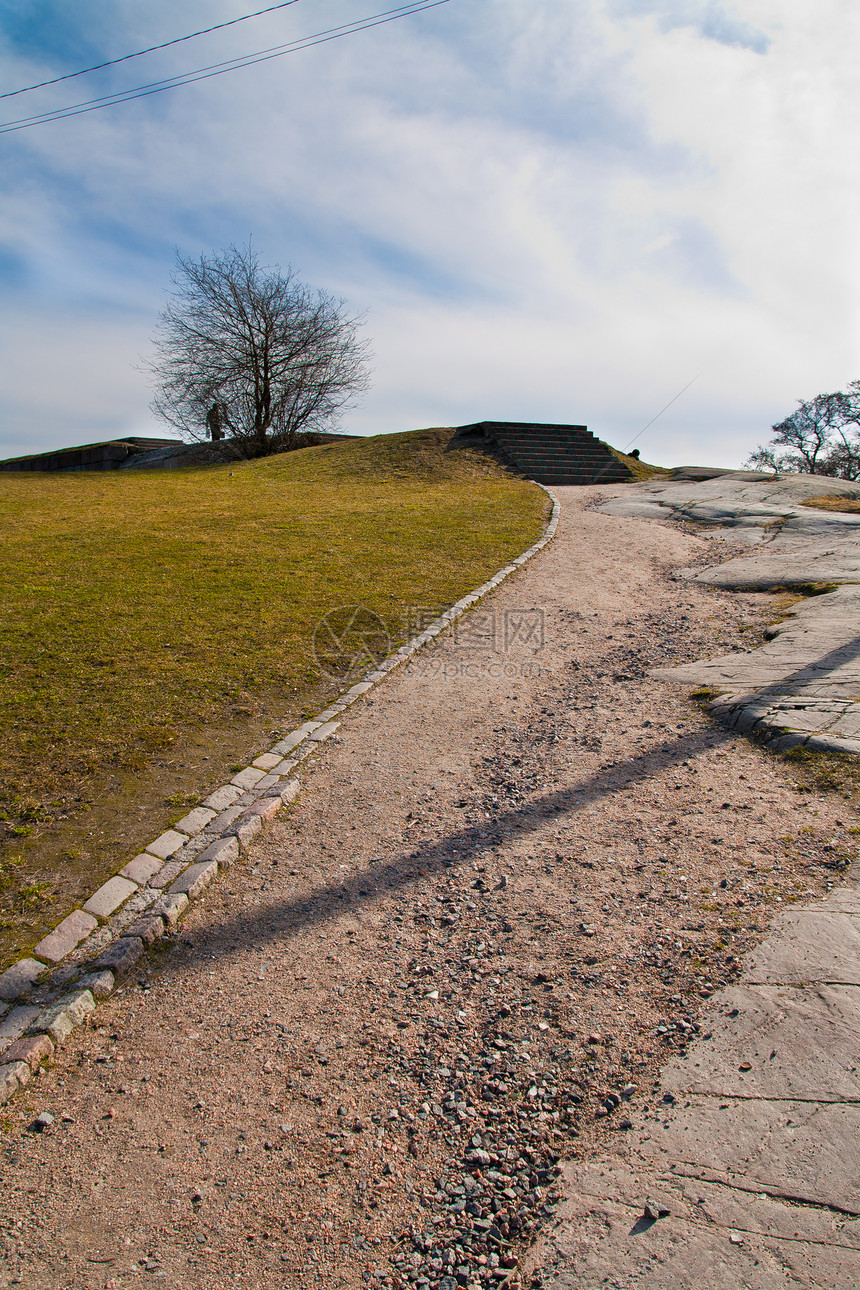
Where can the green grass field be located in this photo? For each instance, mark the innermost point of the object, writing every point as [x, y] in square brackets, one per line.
[157, 628]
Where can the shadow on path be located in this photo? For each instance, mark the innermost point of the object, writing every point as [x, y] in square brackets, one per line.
[816, 672]
[281, 922]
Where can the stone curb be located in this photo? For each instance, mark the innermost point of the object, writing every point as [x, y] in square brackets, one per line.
[83, 957]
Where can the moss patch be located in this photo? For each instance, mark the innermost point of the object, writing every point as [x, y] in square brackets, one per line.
[825, 772]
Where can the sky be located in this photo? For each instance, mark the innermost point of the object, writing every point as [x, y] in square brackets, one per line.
[550, 210]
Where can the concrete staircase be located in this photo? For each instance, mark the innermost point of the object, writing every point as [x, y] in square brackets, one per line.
[550, 454]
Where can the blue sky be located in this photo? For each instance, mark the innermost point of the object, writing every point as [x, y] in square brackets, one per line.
[557, 210]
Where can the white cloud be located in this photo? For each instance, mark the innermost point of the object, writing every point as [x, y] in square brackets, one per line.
[68, 379]
[552, 213]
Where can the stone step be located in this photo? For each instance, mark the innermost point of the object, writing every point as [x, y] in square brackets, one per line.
[531, 454]
[596, 478]
[566, 445]
[551, 445]
[561, 445]
[575, 449]
[550, 454]
[563, 436]
[598, 471]
[558, 458]
[584, 435]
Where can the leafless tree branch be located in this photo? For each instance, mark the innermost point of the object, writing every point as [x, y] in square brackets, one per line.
[252, 353]
[819, 438]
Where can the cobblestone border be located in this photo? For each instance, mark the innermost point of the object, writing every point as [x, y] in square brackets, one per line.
[45, 997]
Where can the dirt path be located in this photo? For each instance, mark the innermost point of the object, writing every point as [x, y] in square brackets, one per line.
[511, 882]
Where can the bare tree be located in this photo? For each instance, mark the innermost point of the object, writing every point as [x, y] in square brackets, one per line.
[250, 354]
[819, 438]
[845, 454]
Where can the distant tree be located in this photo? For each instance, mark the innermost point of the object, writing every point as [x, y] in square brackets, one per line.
[251, 355]
[821, 437]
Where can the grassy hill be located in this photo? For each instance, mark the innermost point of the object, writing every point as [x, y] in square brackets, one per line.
[157, 628]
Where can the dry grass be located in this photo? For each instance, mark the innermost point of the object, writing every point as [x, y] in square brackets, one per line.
[157, 625]
[641, 470]
[851, 505]
[825, 772]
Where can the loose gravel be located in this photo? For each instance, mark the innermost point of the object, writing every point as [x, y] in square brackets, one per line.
[514, 875]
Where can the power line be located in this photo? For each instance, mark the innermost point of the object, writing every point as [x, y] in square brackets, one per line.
[662, 410]
[220, 69]
[10, 94]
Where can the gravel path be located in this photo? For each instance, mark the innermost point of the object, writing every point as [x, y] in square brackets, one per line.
[511, 883]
